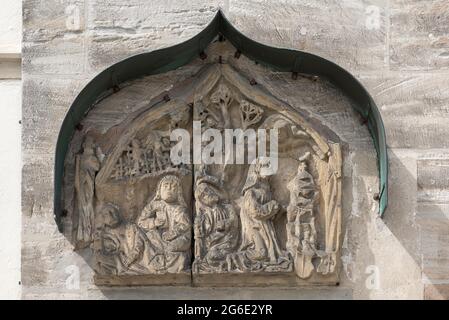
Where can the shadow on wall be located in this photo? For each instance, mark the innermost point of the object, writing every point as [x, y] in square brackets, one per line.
[402, 256]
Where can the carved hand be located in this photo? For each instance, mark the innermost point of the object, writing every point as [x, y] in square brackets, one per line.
[159, 222]
[273, 206]
[168, 236]
[198, 231]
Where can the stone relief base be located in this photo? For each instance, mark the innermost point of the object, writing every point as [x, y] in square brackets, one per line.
[261, 279]
[178, 279]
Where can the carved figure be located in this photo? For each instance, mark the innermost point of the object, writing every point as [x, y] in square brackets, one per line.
[87, 165]
[216, 226]
[223, 98]
[161, 149]
[166, 222]
[331, 190]
[258, 209]
[136, 156]
[121, 247]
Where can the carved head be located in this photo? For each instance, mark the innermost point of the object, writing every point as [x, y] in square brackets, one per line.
[256, 172]
[88, 145]
[206, 194]
[110, 215]
[169, 190]
[165, 141]
[261, 166]
[302, 167]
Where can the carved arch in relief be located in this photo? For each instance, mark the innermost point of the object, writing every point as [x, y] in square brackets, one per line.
[150, 222]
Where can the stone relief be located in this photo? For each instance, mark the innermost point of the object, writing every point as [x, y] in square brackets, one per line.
[87, 165]
[258, 211]
[148, 221]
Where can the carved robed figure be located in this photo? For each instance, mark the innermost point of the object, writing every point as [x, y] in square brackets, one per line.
[258, 210]
[87, 165]
[166, 223]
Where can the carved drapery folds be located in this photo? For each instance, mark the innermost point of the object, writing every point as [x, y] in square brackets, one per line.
[150, 221]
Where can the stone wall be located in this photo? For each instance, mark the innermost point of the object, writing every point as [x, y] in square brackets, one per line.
[398, 49]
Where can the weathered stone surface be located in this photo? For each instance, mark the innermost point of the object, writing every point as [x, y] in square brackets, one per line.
[57, 56]
[432, 178]
[436, 292]
[351, 33]
[413, 107]
[419, 35]
[119, 29]
[37, 186]
[50, 98]
[372, 245]
[136, 15]
[433, 217]
[45, 21]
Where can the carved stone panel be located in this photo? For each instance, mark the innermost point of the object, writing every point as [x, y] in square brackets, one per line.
[133, 205]
[256, 229]
[150, 220]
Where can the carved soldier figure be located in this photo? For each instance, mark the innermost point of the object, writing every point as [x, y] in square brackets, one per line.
[166, 222]
[137, 157]
[87, 165]
[216, 226]
[258, 209]
[160, 146]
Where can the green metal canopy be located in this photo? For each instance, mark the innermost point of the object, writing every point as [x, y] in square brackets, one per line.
[163, 60]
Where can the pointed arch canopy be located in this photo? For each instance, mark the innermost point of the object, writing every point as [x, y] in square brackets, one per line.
[166, 59]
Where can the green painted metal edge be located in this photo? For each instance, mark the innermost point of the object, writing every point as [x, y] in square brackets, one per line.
[163, 60]
[283, 59]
